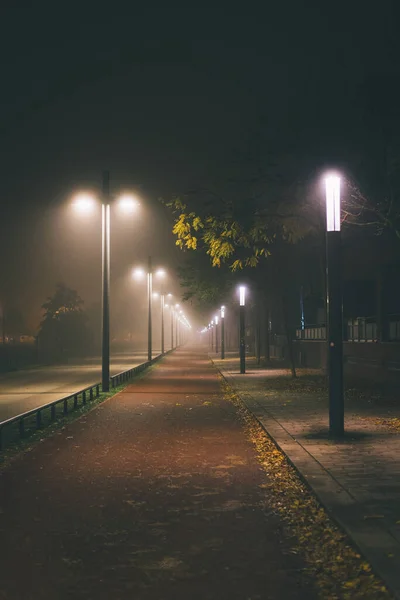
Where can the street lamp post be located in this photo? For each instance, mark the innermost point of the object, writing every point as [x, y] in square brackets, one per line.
[216, 319]
[105, 227]
[84, 202]
[172, 327]
[212, 336]
[139, 272]
[334, 307]
[176, 326]
[242, 340]
[149, 306]
[222, 332]
[163, 306]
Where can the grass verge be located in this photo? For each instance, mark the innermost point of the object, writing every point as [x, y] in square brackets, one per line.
[339, 571]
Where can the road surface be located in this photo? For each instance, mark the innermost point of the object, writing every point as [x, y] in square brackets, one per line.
[29, 388]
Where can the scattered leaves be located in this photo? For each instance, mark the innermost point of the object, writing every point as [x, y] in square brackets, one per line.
[335, 566]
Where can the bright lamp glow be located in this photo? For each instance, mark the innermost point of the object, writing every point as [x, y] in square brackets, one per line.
[128, 203]
[155, 294]
[242, 295]
[138, 273]
[160, 273]
[84, 203]
[222, 312]
[332, 183]
[216, 320]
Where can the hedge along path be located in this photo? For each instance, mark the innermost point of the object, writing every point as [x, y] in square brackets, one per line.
[339, 571]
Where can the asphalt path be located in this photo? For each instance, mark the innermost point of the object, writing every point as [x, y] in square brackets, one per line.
[30, 388]
[156, 494]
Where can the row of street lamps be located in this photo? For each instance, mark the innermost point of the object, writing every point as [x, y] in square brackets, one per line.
[85, 202]
[175, 310]
[214, 325]
[334, 310]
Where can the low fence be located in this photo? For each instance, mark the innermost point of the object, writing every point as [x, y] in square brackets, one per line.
[46, 414]
[379, 361]
[358, 329]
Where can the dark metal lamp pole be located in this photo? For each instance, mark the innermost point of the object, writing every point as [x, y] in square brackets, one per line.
[149, 300]
[334, 307]
[105, 223]
[222, 332]
[242, 338]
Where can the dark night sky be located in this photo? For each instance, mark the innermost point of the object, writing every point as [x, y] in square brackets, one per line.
[163, 98]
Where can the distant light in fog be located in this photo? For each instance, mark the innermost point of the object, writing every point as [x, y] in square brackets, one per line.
[128, 203]
[138, 273]
[84, 203]
[155, 294]
[160, 273]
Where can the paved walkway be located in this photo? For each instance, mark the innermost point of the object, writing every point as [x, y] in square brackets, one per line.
[153, 495]
[357, 479]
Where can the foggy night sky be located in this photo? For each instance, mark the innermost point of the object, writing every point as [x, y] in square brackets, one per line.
[162, 98]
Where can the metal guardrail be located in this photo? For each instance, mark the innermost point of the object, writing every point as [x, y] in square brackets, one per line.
[88, 393]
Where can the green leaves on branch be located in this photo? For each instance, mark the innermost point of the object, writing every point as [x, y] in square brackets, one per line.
[221, 237]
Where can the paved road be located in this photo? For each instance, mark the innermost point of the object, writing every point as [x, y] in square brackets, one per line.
[27, 389]
[156, 494]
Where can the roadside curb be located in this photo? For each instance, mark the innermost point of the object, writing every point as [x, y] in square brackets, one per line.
[380, 548]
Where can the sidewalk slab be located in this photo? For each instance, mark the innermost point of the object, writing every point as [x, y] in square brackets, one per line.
[357, 479]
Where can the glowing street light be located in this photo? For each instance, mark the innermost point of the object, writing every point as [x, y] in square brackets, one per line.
[176, 325]
[334, 306]
[85, 204]
[171, 322]
[332, 188]
[242, 337]
[222, 332]
[139, 273]
[163, 306]
[216, 320]
[128, 203]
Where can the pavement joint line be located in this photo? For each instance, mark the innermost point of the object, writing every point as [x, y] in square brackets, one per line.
[371, 539]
